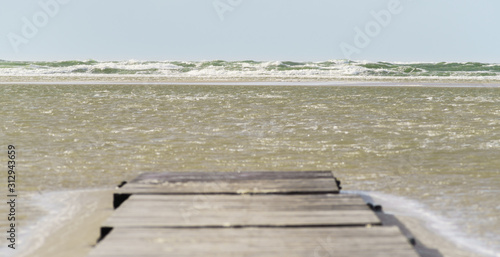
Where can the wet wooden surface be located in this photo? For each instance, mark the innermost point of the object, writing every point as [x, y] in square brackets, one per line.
[245, 214]
[242, 210]
[258, 242]
[232, 183]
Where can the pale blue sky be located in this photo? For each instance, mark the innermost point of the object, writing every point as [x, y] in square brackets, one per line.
[301, 30]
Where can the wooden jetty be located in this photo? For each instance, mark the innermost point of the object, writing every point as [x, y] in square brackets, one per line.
[244, 214]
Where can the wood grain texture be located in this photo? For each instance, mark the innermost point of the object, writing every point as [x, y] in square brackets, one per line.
[242, 210]
[258, 242]
[162, 177]
[232, 183]
[264, 214]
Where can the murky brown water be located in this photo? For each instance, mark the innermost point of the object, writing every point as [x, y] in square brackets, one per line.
[437, 146]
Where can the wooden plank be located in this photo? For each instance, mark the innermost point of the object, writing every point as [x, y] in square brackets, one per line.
[242, 210]
[235, 187]
[229, 183]
[244, 214]
[232, 183]
[163, 177]
[249, 242]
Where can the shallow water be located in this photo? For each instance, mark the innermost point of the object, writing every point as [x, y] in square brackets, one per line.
[439, 147]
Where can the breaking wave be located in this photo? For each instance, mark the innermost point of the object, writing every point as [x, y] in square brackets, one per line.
[254, 69]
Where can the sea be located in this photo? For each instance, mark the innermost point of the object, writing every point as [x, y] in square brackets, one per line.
[253, 70]
[423, 137]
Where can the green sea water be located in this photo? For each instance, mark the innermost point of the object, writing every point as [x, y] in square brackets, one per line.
[439, 147]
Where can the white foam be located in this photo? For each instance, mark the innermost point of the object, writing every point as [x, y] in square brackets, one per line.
[336, 69]
[446, 227]
[59, 208]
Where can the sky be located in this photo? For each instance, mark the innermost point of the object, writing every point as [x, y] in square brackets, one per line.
[295, 30]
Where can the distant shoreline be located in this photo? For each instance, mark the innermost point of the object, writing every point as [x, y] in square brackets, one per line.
[244, 81]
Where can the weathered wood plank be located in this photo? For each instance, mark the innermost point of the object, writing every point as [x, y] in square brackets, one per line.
[244, 214]
[242, 210]
[229, 183]
[261, 242]
[162, 177]
[249, 202]
[288, 186]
